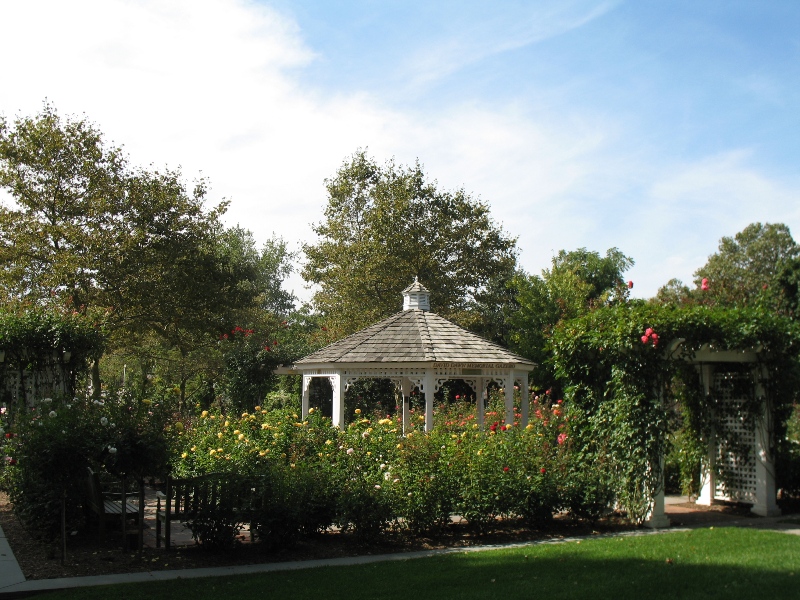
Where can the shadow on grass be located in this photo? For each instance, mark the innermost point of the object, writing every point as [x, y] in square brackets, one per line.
[722, 563]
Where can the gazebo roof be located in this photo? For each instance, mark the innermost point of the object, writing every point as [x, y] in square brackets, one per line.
[414, 336]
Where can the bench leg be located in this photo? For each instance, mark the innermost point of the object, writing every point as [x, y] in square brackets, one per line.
[158, 523]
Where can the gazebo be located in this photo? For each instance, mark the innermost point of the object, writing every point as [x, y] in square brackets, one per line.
[416, 348]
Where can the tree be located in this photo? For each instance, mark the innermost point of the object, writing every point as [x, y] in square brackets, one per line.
[673, 292]
[385, 225]
[746, 267]
[68, 187]
[88, 232]
[578, 281]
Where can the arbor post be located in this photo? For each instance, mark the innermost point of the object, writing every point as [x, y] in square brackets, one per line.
[657, 518]
[708, 473]
[765, 503]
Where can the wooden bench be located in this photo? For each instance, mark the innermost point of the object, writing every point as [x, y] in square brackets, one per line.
[205, 496]
[107, 507]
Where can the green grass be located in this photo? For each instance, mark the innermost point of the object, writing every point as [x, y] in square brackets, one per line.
[724, 563]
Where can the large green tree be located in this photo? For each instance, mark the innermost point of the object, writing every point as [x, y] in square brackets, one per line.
[386, 224]
[748, 269]
[577, 282]
[86, 231]
[68, 190]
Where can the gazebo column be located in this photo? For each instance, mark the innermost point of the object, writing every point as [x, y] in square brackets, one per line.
[480, 400]
[524, 398]
[430, 386]
[708, 472]
[509, 389]
[765, 503]
[405, 390]
[337, 383]
[306, 394]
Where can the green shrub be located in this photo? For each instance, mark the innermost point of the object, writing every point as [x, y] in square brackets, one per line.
[54, 443]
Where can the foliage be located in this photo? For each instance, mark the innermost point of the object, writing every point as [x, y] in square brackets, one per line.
[68, 188]
[135, 248]
[385, 225]
[35, 340]
[49, 450]
[745, 269]
[577, 282]
[372, 479]
[619, 368]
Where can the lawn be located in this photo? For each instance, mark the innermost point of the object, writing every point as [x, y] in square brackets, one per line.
[710, 563]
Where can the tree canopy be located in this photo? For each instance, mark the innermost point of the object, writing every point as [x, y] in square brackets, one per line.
[386, 224]
[578, 281]
[136, 248]
[752, 268]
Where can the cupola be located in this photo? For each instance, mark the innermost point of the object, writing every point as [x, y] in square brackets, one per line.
[416, 297]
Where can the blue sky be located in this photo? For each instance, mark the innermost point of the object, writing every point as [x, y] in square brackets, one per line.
[650, 126]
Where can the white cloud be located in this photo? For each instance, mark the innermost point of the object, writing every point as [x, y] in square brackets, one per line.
[494, 30]
[213, 86]
[688, 207]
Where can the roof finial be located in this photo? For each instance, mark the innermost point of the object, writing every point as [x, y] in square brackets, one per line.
[416, 297]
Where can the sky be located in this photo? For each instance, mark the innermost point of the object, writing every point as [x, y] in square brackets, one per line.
[652, 127]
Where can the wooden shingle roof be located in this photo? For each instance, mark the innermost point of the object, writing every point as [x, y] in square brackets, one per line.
[413, 336]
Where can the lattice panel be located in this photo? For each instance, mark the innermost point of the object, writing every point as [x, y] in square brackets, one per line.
[738, 467]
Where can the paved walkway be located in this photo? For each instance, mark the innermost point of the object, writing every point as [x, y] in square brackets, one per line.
[684, 515]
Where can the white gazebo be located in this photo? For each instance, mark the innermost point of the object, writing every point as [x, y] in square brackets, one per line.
[416, 348]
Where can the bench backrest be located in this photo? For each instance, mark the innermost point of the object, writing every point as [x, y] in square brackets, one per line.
[223, 492]
[94, 492]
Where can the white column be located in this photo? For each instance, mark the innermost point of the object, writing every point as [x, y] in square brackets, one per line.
[430, 386]
[524, 400]
[406, 389]
[480, 400]
[306, 387]
[657, 519]
[509, 388]
[766, 489]
[708, 477]
[337, 383]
